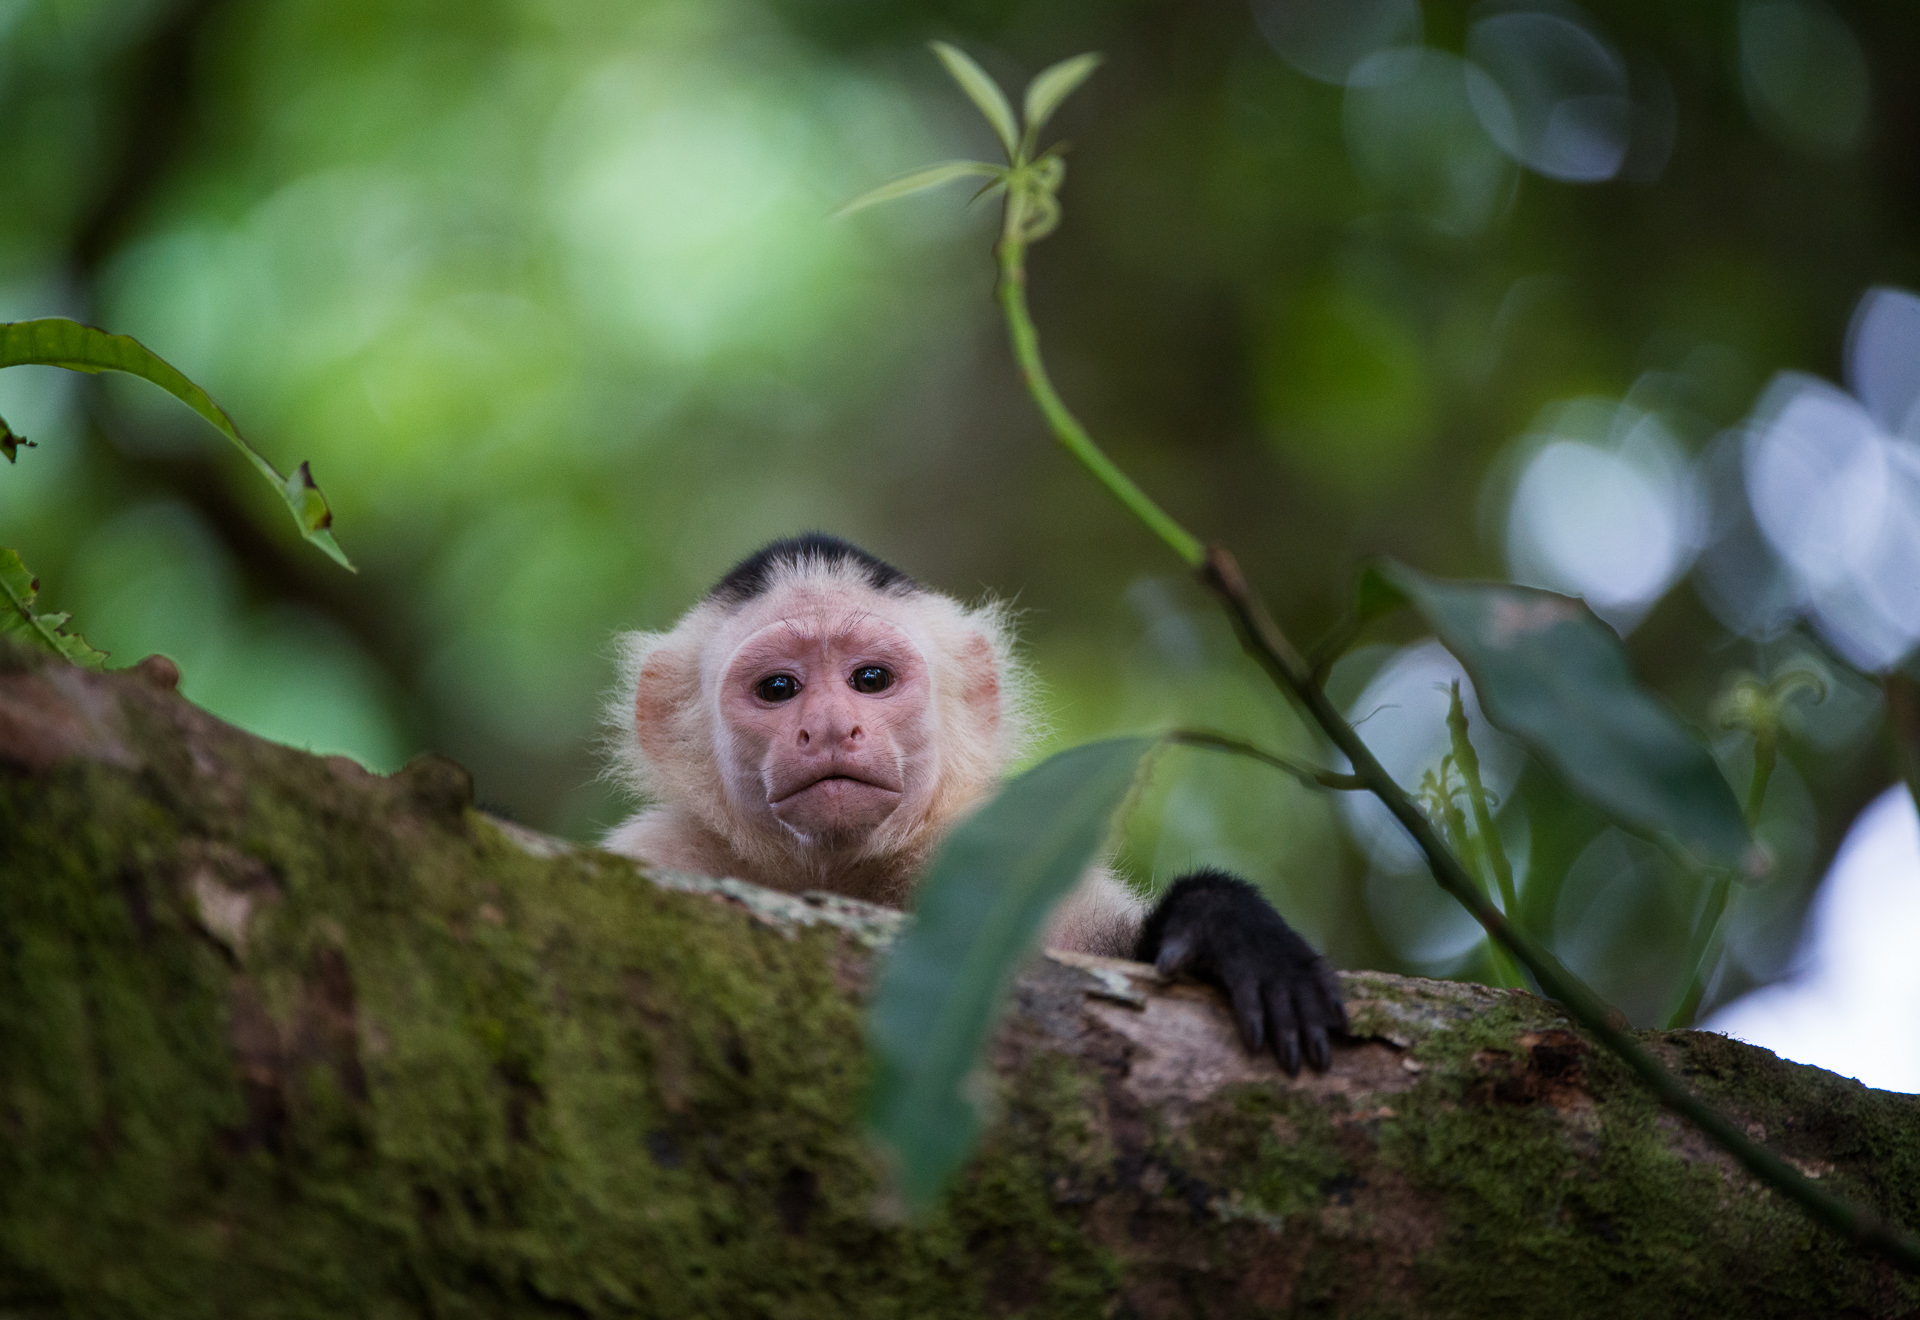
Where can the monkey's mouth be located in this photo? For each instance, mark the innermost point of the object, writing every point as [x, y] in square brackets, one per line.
[835, 803]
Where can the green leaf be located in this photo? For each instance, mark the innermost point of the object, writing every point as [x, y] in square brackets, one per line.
[1050, 87]
[983, 91]
[1552, 675]
[977, 915]
[58, 342]
[921, 180]
[1373, 598]
[18, 588]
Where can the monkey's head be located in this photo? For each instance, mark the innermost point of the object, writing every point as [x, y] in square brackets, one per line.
[820, 707]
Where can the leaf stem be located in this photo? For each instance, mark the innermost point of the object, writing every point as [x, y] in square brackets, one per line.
[1703, 951]
[1066, 427]
[1490, 851]
[1469, 762]
[1766, 754]
[1310, 775]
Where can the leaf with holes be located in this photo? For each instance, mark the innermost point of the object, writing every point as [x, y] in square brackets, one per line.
[58, 342]
[18, 618]
[1554, 676]
[978, 914]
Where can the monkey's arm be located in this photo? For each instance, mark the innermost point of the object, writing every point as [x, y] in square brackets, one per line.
[1220, 929]
[1100, 916]
[661, 836]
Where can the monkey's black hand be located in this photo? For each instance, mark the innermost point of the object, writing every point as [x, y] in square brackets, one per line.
[1217, 928]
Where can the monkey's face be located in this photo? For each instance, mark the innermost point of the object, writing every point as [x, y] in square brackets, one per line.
[826, 724]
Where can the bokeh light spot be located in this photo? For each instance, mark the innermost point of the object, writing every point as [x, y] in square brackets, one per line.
[1417, 144]
[1883, 359]
[1848, 1004]
[1838, 499]
[1551, 94]
[1605, 509]
[1325, 39]
[1804, 74]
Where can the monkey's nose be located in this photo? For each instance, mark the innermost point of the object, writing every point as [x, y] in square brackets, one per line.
[853, 733]
[833, 723]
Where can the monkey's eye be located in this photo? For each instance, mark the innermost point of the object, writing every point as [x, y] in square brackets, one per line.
[777, 687]
[871, 678]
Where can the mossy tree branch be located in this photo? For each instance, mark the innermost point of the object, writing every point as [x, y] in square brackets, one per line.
[279, 1036]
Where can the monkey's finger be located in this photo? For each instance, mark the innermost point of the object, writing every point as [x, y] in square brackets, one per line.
[1286, 1028]
[1247, 1011]
[1327, 982]
[1176, 953]
[1313, 1028]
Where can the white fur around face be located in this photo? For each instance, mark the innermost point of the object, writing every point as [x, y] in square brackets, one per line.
[670, 744]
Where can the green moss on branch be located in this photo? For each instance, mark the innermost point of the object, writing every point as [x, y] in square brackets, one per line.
[281, 1037]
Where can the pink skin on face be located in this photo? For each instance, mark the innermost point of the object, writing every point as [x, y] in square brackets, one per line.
[828, 717]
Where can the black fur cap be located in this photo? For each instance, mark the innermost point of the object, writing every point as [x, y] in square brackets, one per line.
[754, 574]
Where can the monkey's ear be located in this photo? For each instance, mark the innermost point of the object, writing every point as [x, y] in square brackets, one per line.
[666, 693]
[979, 685]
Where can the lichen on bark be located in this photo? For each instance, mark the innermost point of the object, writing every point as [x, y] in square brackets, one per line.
[281, 1037]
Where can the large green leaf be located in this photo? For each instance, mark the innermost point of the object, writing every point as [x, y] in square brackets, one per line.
[1554, 676]
[982, 90]
[58, 342]
[977, 915]
[18, 618]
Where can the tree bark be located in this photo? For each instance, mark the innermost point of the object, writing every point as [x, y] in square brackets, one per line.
[280, 1037]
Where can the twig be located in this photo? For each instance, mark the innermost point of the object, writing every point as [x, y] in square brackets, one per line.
[1310, 775]
[1066, 427]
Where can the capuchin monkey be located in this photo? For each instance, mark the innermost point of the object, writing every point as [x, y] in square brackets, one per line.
[820, 721]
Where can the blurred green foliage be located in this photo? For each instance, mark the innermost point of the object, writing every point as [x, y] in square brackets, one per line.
[548, 296]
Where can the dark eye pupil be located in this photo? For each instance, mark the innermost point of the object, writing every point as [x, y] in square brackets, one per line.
[779, 687]
[871, 678]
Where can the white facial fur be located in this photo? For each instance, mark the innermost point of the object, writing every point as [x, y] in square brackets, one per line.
[830, 780]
